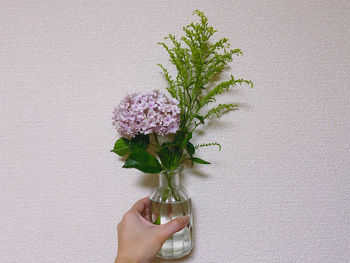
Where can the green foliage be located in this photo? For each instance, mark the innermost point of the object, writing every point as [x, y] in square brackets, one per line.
[198, 160]
[143, 161]
[221, 88]
[220, 109]
[121, 147]
[165, 156]
[208, 144]
[198, 61]
[138, 158]
[190, 148]
[139, 141]
[124, 146]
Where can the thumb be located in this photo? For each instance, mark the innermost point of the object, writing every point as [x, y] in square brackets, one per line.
[173, 226]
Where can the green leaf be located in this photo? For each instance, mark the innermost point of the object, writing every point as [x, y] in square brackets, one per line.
[188, 137]
[190, 148]
[169, 144]
[221, 109]
[198, 160]
[165, 157]
[200, 118]
[121, 147]
[208, 144]
[143, 161]
[140, 141]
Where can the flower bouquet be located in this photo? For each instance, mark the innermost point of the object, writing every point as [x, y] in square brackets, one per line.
[157, 130]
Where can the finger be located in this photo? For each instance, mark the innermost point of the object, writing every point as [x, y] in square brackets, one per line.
[146, 215]
[145, 212]
[173, 226]
[141, 205]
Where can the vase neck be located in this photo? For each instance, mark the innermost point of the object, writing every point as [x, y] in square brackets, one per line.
[169, 179]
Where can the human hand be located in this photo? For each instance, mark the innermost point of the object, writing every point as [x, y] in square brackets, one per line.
[138, 239]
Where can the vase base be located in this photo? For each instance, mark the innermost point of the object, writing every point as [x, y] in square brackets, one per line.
[174, 255]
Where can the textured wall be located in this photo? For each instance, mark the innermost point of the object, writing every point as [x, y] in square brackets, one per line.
[278, 191]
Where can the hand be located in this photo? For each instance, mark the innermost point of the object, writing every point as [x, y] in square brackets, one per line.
[138, 239]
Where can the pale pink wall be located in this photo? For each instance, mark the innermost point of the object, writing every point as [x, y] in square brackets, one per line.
[278, 191]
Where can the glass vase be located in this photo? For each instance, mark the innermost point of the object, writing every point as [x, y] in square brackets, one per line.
[168, 201]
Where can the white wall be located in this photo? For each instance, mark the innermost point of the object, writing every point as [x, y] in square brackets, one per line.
[278, 191]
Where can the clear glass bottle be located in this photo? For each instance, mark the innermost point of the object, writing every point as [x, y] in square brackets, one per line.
[168, 201]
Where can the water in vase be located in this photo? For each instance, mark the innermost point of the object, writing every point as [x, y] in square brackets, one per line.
[180, 243]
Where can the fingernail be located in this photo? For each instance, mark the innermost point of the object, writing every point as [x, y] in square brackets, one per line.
[186, 219]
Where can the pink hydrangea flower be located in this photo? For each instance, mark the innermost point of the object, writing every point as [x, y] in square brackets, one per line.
[146, 113]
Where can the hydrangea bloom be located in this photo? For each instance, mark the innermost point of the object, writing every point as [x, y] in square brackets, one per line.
[146, 113]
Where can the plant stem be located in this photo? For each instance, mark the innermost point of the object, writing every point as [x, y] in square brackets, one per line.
[169, 176]
[156, 139]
